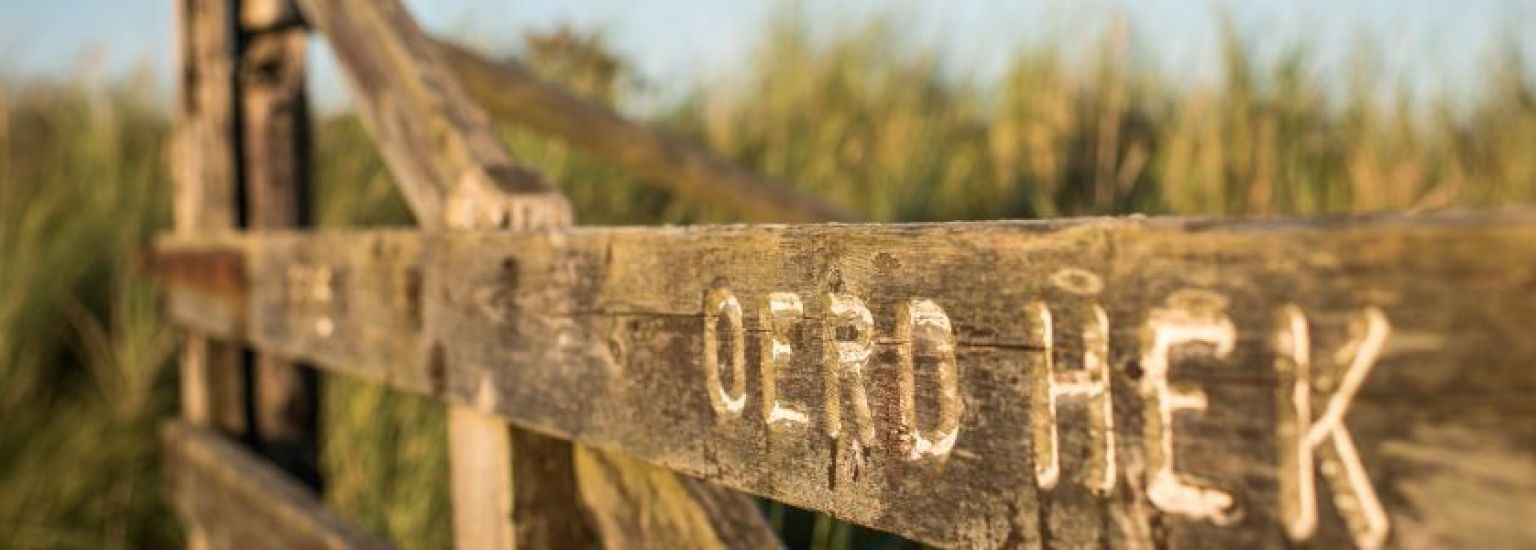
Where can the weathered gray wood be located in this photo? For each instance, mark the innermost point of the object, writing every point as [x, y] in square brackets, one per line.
[440, 147]
[244, 502]
[276, 167]
[203, 175]
[512, 92]
[455, 173]
[480, 448]
[1417, 324]
[202, 147]
[203, 169]
[631, 502]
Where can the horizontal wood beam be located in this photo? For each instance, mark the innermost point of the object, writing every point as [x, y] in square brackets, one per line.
[241, 501]
[512, 92]
[1349, 381]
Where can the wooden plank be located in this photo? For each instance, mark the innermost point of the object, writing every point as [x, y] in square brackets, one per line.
[243, 501]
[1363, 379]
[203, 169]
[455, 173]
[512, 488]
[202, 166]
[202, 156]
[440, 147]
[276, 179]
[637, 505]
[510, 91]
[634, 503]
[480, 451]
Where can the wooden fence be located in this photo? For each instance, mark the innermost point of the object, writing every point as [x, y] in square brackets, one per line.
[1108, 382]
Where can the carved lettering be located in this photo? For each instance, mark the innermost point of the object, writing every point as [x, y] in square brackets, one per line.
[311, 293]
[728, 403]
[1091, 384]
[777, 316]
[1325, 439]
[844, 365]
[923, 330]
[1192, 321]
[1191, 317]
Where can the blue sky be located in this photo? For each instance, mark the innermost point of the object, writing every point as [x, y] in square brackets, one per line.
[1432, 46]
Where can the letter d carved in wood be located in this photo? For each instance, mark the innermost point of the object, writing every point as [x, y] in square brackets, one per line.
[1301, 436]
[923, 331]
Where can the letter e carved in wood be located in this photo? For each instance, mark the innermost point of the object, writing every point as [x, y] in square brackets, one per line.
[1192, 316]
[776, 318]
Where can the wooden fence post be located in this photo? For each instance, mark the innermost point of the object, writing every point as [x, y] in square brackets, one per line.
[458, 176]
[203, 167]
[275, 144]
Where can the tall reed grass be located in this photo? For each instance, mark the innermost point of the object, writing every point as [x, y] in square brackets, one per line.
[859, 120]
[83, 349]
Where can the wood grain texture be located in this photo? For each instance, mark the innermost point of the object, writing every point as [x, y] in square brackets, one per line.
[440, 147]
[480, 448]
[275, 164]
[455, 173]
[638, 505]
[244, 502]
[598, 335]
[203, 171]
[510, 91]
[202, 165]
[511, 488]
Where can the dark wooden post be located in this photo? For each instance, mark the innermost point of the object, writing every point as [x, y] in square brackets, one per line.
[275, 167]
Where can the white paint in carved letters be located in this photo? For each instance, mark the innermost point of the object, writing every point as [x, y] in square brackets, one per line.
[1301, 437]
[1091, 383]
[777, 316]
[1192, 316]
[311, 294]
[845, 364]
[923, 330]
[728, 403]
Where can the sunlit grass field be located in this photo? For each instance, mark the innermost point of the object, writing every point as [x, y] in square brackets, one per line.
[85, 366]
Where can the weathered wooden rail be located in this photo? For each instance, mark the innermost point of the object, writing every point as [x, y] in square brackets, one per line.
[1118, 382]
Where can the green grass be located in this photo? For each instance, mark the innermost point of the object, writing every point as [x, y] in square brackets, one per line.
[83, 351]
[84, 355]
